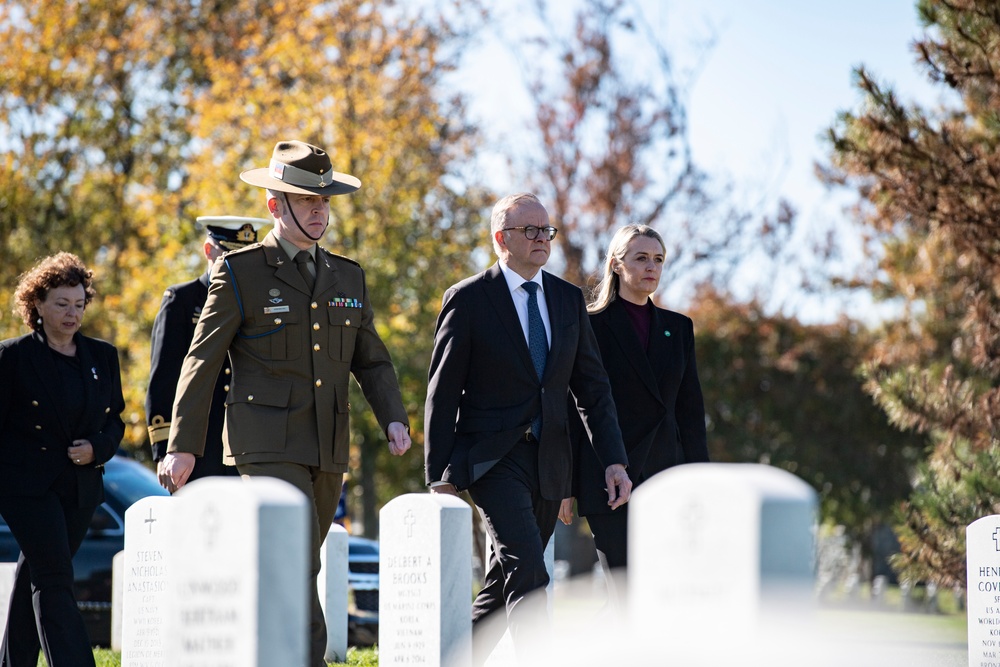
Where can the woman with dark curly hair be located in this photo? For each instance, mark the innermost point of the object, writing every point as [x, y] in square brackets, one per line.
[60, 421]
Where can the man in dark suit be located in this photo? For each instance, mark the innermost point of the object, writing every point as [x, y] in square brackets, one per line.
[173, 330]
[509, 344]
[296, 323]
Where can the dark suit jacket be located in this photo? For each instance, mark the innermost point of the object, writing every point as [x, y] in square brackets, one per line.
[173, 330]
[658, 398]
[483, 390]
[293, 351]
[34, 433]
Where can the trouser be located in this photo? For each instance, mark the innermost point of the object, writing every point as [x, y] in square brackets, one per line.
[520, 523]
[322, 489]
[43, 612]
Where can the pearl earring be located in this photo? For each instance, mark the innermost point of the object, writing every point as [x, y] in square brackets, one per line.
[39, 319]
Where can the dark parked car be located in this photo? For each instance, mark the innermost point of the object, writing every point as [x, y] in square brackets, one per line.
[125, 482]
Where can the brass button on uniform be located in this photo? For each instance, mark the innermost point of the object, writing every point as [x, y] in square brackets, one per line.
[107, 410]
[347, 323]
[225, 388]
[250, 397]
[38, 427]
[277, 320]
[314, 305]
[35, 403]
[315, 326]
[229, 371]
[319, 383]
[316, 347]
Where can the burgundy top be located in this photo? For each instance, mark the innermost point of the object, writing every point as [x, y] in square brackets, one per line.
[641, 316]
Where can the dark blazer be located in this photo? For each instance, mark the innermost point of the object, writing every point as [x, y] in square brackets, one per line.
[173, 330]
[293, 351]
[483, 389]
[34, 433]
[658, 398]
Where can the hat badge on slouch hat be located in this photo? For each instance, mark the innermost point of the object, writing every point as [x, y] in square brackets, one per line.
[300, 168]
[231, 231]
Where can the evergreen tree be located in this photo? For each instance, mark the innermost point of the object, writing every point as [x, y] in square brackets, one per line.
[930, 201]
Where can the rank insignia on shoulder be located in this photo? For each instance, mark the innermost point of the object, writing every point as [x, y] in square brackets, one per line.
[344, 303]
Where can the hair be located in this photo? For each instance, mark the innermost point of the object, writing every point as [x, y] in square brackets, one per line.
[606, 290]
[502, 210]
[60, 270]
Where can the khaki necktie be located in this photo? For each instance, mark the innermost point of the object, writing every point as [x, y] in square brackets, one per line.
[302, 260]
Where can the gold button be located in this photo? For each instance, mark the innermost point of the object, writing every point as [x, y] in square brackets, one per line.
[316, 347]
[35, 403]
[250, 397]
[319, 383]
[347, 323]
[38, 427]
[348, 406]
[107, 410]
[225, 388]
[277, 320]
[315, 326]
[228, 371]
[314, 305]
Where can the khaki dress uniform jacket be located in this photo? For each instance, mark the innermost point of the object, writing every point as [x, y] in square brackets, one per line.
[292, 352]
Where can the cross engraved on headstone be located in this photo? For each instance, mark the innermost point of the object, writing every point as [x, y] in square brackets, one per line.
[996, 538]
[210, 525]
[409, 520]
[693, 518]
[150, 520]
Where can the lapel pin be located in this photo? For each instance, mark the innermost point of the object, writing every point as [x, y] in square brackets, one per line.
[94, 371]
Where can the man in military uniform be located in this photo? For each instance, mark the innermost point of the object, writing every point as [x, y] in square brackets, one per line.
[296, 322]
[172, 333]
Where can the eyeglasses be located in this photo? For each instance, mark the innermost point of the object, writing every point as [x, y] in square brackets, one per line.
[531, 232]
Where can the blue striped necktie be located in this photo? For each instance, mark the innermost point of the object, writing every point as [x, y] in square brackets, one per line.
[538, 344]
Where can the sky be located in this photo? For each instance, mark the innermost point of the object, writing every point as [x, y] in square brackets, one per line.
[759, 100]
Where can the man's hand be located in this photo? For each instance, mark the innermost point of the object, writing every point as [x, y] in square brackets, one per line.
[399, 438]
[566, 511]
[174, 470]
[619, 486]
[448, 489]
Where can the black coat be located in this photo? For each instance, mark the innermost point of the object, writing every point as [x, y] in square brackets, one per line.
[483, 390]
[34, 431]
[173, 330]
[657, 396]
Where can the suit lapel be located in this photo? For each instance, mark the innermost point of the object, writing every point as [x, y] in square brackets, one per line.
[326, 273]
[503, 304]
[91, 375]
[618, 322]
[284, 266]
[557, 321]
[48, 375]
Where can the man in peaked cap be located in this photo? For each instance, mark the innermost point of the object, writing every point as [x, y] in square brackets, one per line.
[173, 330]
[296, 322]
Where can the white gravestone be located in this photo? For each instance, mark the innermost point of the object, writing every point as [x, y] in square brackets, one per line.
[6, 588]
[332, 584]
[425, 581]
[982, 553]
[117, 599]
[715, 546]
[144, 582]
[239, 575]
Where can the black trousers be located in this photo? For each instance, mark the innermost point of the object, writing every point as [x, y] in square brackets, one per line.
[520, 523]
[43, 613]
[611, 536]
